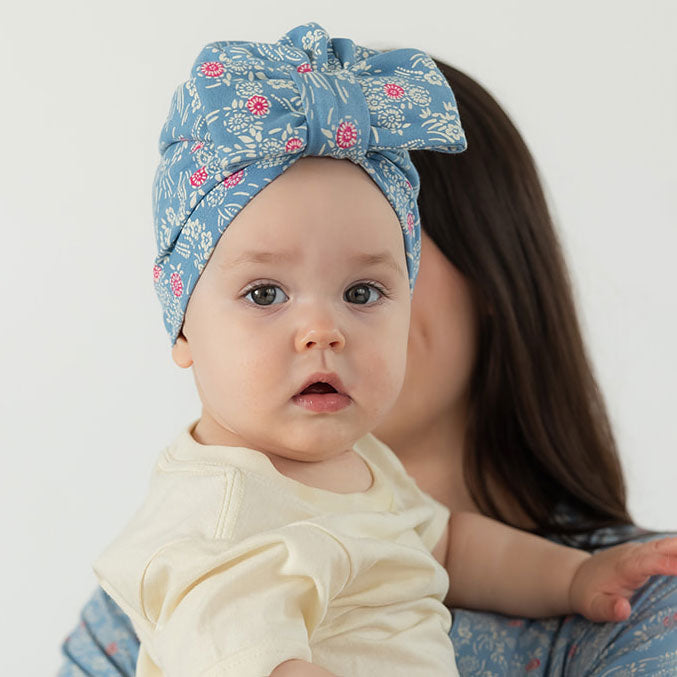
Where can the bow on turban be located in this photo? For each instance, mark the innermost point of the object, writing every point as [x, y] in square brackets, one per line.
[250, 110]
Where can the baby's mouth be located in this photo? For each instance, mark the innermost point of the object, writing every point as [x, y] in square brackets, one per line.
[322, 397]
[319, 387]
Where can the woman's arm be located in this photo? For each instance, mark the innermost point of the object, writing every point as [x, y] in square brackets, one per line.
[495, 567]
[103, 644]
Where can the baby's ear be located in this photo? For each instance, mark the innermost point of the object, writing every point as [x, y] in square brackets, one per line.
[181, 352]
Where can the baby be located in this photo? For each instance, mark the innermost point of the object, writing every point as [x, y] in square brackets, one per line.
[279, 537]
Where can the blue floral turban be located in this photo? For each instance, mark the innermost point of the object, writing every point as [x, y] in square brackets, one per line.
[251, 109]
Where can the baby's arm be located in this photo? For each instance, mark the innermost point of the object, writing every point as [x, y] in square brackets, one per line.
[495, 567]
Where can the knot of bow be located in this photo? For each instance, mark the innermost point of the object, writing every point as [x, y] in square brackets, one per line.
[309, 94]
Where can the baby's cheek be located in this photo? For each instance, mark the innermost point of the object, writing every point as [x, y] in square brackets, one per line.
[252, 390]
[384, 380]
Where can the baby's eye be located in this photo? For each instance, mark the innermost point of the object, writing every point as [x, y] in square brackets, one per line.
[265, 294]
[362, 293]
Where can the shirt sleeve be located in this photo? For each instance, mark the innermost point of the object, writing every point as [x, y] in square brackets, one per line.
[431, 530]
[434, 515]
[219, 609]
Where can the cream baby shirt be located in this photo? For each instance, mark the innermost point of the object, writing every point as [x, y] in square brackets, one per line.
[229, 568]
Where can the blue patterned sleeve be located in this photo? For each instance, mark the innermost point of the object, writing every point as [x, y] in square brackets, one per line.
[488, 644]
[103, 644]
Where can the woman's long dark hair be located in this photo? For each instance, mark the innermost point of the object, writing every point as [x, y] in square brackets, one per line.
[538, 425]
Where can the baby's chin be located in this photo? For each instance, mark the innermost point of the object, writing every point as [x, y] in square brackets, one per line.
[303, 436]
[312, 445]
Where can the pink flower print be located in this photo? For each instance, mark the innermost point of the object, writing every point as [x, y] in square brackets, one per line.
[293, 144]
[573, 650]
[212, 69]
[198, 177]
[393, 91]
[112, 648]
[176, 283]
[532, 664]
[304, 68]
[408, 184]
[156, 272]
[258, 105]
[410, 223]
[516, 623]
[234, 178]
[196, 146]
[669, 622]
[346, 136]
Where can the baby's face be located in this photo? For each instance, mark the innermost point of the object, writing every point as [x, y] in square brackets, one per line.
[309, 278]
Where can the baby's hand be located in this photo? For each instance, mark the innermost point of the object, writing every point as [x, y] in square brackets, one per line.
[604, 582]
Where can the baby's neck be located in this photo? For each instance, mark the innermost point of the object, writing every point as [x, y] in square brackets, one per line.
[346, 473]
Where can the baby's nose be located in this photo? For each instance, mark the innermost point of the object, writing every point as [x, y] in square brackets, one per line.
[323, 336]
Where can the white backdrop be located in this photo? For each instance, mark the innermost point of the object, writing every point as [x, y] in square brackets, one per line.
[90, 392]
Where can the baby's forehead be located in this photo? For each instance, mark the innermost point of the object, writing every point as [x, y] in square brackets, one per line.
[349, 257]
[284, 237]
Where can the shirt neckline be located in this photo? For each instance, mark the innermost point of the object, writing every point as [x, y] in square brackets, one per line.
[187, 449]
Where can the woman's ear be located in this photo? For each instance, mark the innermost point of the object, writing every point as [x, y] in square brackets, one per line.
[181, 352]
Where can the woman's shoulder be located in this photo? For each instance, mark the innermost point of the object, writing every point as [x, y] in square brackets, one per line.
[596, 538]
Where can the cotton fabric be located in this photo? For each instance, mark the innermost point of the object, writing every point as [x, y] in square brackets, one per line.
[103, 644]
[231, 568]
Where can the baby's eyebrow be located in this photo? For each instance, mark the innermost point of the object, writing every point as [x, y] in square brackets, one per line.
[384, 258]
[285, 256]
[282, 256]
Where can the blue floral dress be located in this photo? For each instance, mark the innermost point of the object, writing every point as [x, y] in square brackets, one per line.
[487, 644]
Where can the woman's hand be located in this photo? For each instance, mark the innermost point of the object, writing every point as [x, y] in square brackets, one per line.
[604, 582]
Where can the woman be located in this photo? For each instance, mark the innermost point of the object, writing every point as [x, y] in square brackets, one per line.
[499, 414]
